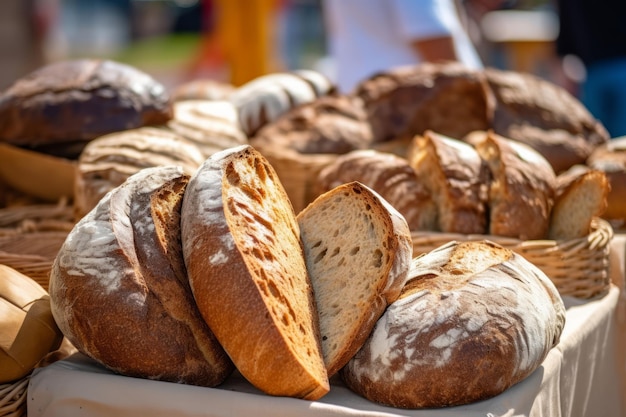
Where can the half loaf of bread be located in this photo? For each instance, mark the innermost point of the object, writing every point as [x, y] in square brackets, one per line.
[456, 178]
[473, 319]
[358, 250]
[119, 290]
[242, 249]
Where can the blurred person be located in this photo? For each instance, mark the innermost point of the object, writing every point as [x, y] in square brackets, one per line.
[595, 33]
[368, 36]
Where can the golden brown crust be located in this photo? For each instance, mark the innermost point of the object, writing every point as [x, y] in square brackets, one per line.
[456, 177]
[246, 267]
[521, 192]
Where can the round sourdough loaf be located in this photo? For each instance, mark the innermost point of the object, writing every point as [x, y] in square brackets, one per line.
[246, 267]
[119, 289]
[78, 100]
[473, 319]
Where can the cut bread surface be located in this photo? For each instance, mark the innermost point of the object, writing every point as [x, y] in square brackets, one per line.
[358, 251]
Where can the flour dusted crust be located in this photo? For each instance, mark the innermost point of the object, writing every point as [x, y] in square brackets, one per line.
[107, 161]
[521, 191]
[242, 249]
[389, 175]
[456, 178]
[211, 126]
[358, 249]
[118, 286]
[473, 320]
[265, 98]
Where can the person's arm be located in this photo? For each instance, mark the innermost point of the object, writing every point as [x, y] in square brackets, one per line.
[435, 49]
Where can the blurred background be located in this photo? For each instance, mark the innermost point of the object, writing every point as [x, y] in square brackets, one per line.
[237, 40]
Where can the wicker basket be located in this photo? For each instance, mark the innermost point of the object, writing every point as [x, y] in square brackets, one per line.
[13, 398]
[31, 236]
[577, 267]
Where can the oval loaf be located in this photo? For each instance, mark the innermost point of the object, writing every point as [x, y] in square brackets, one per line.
[474, 319]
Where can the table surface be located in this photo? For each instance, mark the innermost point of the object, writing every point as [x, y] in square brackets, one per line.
[582, 376]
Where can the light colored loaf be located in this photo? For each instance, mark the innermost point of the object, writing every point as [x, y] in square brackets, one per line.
[358, 250]
[581, 194]
[210, 125]
[473, 320]
[119, 288]
[107, 161]
[455, 177]
[242, 249]
[265, 98]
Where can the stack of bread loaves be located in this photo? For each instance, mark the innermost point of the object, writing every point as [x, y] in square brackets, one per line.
[213, 271]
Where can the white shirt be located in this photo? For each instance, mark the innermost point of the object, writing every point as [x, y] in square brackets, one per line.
[368, 36]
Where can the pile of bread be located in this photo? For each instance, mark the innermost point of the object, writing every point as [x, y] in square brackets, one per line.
[207, 257]
[185, 278]
[297, 120]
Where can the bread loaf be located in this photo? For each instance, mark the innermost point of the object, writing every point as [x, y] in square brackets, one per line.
[447, 98]
[389, 175]
[580, 195]
[265, 98]
[611, 159]
[79, 100]
[27, 326]
[202, 89]
[119, 288]
[544, 116]
[473, 320]
[210, 125]
[242, 249]
[521, 191]
[107, 161]
[357, 249]
[306, 139]
[455, 177]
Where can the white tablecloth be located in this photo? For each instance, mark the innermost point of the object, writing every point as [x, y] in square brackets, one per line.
[582, 376]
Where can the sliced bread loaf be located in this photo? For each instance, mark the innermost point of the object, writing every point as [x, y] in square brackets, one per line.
[581, 195]
[456, 177]
[246, 268]
[358, 250]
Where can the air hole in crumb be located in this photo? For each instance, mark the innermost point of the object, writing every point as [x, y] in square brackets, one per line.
[378, 258]
[335, 252]
[355, 250]
[320, 256]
